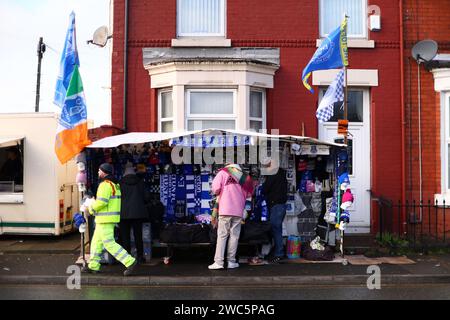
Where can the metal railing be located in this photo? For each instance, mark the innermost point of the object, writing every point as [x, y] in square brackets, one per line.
[421, 223]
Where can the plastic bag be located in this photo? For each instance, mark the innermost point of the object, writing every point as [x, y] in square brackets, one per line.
[293, 247]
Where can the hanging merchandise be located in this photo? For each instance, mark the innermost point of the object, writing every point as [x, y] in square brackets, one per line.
[198, 192]
[316, 202]
[81, 178]
[311, 165]
[299, 206]
[154, 157]
[180, 196]
[347, 200]
[302, 163]
[317, 186]
[344, 181]
[184, 190]
[331, 209]
[284, 157]
[296, 149]
[264, 211]
[190, 194]
[342, 162]
[310, 186]
[155, 180]
[205, 193]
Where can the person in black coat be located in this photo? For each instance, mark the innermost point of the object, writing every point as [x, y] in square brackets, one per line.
[275, 190]
[133, 212]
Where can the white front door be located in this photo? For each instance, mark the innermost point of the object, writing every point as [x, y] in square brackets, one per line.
[359, 154]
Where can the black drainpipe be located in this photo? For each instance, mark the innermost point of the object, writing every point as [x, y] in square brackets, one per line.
[125, 68]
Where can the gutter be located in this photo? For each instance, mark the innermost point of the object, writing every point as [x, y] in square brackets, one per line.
[402, 103]
[125, 68]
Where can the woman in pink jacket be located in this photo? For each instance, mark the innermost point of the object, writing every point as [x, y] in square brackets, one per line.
[232, 187]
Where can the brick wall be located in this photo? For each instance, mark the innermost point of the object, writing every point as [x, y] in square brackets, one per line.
[423, 20]
[292, 26]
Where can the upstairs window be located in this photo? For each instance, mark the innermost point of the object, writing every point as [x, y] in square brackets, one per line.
[332, 14]
[200, 18]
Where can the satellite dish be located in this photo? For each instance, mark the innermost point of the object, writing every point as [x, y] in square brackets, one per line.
[100, 37]
[424, 50]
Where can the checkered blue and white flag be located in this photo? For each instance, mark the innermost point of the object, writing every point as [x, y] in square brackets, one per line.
[335, 93]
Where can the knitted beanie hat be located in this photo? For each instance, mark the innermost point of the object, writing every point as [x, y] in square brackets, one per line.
[106, 168]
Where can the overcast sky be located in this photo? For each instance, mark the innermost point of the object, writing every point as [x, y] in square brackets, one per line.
[22, 22]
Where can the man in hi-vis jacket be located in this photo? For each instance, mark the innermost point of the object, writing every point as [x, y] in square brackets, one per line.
[106, 210]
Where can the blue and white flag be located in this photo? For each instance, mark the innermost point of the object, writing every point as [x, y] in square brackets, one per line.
[332, 54]
[335, 93]
[69, 59]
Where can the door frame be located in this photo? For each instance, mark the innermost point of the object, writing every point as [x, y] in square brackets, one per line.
[365, 226]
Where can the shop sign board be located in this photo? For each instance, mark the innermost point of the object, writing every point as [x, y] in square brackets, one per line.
[312, 149]
[212, 141]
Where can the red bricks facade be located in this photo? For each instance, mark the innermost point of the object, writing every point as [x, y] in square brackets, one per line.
[293, 26]
[423, 20]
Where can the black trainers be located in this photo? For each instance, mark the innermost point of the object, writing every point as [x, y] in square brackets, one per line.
[276, 259]
[85, 269]
[130, 270]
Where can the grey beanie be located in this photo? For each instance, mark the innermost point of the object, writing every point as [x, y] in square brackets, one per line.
[106, 168]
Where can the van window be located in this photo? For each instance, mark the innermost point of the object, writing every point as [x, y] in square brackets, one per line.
[11, 169]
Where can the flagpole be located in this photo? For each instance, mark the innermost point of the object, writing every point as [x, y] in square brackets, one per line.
[345, 90]
[345, 102]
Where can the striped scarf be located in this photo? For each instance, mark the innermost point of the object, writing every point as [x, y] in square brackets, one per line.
[244, 180]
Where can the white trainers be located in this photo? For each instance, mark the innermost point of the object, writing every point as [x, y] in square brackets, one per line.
[215, 266]
[232, 265]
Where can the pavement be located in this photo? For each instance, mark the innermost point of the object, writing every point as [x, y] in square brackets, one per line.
[45, 261]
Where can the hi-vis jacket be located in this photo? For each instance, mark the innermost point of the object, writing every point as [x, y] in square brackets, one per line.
[106, 207]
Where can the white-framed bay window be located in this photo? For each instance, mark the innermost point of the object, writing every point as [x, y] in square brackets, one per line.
[210, 108]
[165, 110]
[201, 18]
[257, 109]
[446, 142]
[332, 14]
[442, 87]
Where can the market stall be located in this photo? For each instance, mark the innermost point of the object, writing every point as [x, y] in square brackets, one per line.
[178, 169]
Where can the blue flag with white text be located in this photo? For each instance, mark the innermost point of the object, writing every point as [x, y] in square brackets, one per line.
[332, 54]
[69, 59]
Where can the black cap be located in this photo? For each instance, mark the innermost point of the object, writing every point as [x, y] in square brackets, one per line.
[106, 168]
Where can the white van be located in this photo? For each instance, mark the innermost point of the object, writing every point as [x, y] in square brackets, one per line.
[42, 198]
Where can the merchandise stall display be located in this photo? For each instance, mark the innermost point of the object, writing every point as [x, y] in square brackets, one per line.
[180, 212]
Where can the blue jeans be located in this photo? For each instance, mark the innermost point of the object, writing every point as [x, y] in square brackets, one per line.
[277, 213]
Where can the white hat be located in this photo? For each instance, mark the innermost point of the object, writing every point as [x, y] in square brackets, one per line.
[346, 205]
[296, 149]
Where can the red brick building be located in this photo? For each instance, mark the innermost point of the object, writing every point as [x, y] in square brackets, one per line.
[170, 58]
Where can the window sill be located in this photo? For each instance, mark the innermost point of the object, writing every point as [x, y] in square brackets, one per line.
[355, 43]
[201, 42]
[440, 198]
[11, 198]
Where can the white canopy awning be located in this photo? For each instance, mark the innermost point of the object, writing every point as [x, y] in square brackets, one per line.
[144, 137]
[9, 141]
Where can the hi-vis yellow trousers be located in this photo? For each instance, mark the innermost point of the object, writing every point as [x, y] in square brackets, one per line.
[104, 238]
